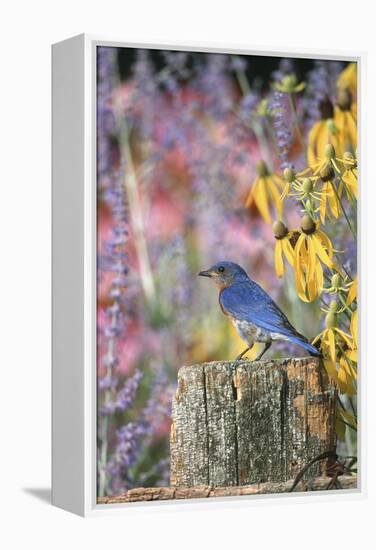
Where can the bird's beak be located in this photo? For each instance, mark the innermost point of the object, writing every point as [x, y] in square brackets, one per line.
[207, 273]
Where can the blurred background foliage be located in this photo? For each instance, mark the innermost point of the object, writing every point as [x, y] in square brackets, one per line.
[180, 139]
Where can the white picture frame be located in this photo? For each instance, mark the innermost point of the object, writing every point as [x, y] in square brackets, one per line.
[74, 278]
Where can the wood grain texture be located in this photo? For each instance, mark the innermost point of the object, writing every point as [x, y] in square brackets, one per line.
[142, 494]
[240, 423]
[190, 445]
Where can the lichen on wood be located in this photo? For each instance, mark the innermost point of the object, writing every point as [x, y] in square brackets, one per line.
[240, 423]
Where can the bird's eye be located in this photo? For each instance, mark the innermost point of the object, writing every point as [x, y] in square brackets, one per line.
[221, 269]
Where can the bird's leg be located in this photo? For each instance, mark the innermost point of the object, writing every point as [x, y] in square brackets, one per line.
[267, 346]
[243, 353]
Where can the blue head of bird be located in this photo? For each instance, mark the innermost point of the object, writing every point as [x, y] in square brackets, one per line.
[224, 274]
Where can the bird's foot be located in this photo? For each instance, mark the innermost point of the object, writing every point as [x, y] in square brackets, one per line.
[240, 356]
[267, 346]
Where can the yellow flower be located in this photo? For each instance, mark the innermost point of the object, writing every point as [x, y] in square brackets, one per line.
[354, 331]
[265, 191]
[326, 162]
[338, 284]
[336, 346]
[324, 131]
[350, 176]
[329, 200]
[346, 376]
[348, 79]
[303, 186]
[282, 247]
[313, 249]
[345, 119]
[352, 292]
[305, 189]
[332, 336]
[347, 373]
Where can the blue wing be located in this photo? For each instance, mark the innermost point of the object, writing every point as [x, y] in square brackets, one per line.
[247, 301]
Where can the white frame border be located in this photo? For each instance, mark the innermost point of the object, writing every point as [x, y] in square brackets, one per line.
[85, 499]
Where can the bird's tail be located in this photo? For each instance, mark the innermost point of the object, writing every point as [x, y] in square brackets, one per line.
[303, 342]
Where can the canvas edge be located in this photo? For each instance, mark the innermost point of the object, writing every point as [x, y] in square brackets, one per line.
[68, 384]
[88, 506]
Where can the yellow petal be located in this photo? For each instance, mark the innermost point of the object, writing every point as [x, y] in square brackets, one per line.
[275, 194]
[348, 78]
[298, 268]
[288, 250]
[320, 251]
[285, 191]
[312, 140]
[346, 337]
[352, 292]
[326, 242]
[351, 129]
[331, 344]
[250, 197]
[352, 355]
[278, 260]
[354, 327]
[261, 200]
[330, 368]
[333, 201]
[323, 201]
[311, 271]
[319, 276]
[345, 381]
[351, 182]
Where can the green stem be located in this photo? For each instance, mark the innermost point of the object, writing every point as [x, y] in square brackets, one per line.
[347, 308]
[243, 82]
[343, 267]
[137, 220]
[352, 406]
[256, 127]
[296, 120]
[347, 424]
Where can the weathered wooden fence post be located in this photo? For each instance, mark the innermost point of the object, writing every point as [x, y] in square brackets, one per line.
[237, 423]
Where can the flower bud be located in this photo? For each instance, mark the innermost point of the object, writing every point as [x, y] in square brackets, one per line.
[336, 281]
[330, 152]
[349, 159]
[344, 100]
[289, 175]
[307, 185]
[289, 81]
[327, 173]
[263, 108]
[262, 169]
[307, 225]
[279, 229]
[330, 320]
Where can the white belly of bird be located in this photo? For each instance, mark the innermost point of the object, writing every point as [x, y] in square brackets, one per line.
[250, 333]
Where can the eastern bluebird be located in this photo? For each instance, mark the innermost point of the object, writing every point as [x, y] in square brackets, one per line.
[256, 317]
